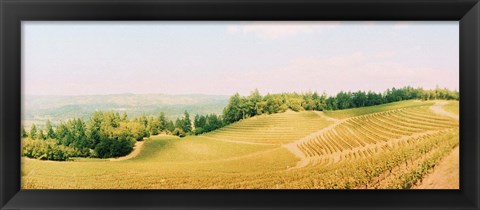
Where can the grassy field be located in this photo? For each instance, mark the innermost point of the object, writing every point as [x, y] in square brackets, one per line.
[272, 129]
[346, 113]
[452, 107]
[387, 146]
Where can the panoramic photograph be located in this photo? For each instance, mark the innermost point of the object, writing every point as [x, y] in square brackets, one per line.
[240, 105]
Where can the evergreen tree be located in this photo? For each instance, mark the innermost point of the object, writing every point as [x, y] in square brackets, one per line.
[23, 132]
[50, 132]
[251, 103]
[33, 131]
[187, 124]
[170, 126]
[124, 117]
[163, 122]
[94, 129]
[41, 135]
[233, 111]
[153, 125]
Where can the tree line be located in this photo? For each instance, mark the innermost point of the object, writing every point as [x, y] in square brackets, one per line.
[242, 107]
[104, 135]
[109, 134]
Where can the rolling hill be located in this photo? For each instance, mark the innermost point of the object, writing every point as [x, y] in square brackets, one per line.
[387, 146]
[58, 108]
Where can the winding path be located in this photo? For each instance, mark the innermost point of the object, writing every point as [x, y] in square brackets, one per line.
[293, 146]
[445, 174]
[304, 160]
[437, 108]
[136, 150]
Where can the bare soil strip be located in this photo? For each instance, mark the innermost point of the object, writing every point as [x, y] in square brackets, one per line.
[304, 160]
[293, 147]
[136, 150]
[445, 175]
[437, 108]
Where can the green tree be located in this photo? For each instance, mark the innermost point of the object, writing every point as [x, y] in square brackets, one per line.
[251, 102]
[309, 102]
[33, 131]
[79, 137]
[273, 103]
[50, 132]
[359, 99]
[163, 122]
[154, 125]
[170, 126]
[23, 132]
[320, 101]
[199, 121]
[124, 117]
[187, 123]
[295, 104]
[179, 132]
[41, 135]
[233, 110]
[94, 129]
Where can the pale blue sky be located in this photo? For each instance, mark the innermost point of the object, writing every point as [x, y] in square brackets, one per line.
[79, 58]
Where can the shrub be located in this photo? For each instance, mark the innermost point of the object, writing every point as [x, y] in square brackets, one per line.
[179, 132]
[46, 150]
[114, 147]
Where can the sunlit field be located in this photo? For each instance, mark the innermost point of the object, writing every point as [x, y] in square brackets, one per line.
[389, 146]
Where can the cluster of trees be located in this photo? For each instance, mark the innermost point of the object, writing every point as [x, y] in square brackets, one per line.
[107, 134]
[240, 107]
[207, 123]
[47, 149]
[347, 100]
[254, 104]
[201, 124]
[104, 135]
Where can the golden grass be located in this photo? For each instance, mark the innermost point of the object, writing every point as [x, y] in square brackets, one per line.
[346, 113]
[249, 155]
[452, 107]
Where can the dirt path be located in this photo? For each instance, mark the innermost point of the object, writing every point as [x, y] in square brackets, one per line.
[322, 114]
[136, 150]
[437, 108]
[445, 175]
[293, 147]
[304, 160]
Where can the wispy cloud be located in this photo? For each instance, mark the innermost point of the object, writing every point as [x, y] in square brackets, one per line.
[277, 30]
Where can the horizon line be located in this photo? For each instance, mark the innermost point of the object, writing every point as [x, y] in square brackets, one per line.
[206, 94]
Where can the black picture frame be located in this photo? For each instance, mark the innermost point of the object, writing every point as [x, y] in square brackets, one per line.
[12, 12]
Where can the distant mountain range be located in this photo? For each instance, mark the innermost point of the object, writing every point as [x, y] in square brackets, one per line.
[37, 109]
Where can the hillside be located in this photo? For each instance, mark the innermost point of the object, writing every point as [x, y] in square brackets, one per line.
[386, 146]
[272, 129]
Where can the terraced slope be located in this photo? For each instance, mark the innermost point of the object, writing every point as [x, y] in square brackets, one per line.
[274, 129]
[393, 147]
[365, 135]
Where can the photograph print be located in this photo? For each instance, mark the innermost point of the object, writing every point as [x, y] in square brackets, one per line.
[240, 105]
